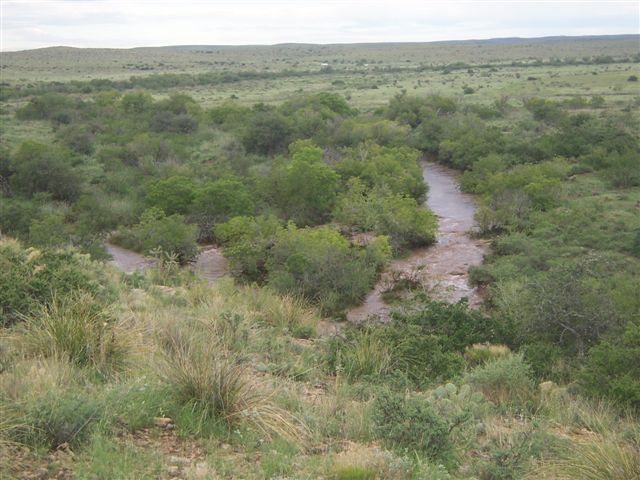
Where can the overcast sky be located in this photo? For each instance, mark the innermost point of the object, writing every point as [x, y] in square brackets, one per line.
[130, 23]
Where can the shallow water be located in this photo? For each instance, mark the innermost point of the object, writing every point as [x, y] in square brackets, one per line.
[209, 264]
[442, 267]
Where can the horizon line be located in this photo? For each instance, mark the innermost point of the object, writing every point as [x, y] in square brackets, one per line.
[594, 36]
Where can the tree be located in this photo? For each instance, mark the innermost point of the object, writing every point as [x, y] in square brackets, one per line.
[172, 195]
[267, 133]
[569, 305]
[305, 188]
[223, 199]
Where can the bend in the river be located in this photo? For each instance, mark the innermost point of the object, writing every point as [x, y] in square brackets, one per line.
[442, 267]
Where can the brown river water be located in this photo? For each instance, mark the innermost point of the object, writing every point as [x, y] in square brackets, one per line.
[442, 267]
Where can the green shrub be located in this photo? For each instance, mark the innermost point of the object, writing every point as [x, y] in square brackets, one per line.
[30, 278]
[303, 189]
[458, 325]
[410, 423]
[45, 168]
[506, 380]
[60, 417]
[173, 195]
[392, 353]
[321, 265]
[611, 369]
[157, 231]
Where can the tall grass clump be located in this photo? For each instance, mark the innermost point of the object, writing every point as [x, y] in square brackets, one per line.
[505, 380]
[598, 460]
[365, 353]
[217, 387]
[79, 329]
[481, 353]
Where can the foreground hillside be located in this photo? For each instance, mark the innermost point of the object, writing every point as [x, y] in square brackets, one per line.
[160, 374]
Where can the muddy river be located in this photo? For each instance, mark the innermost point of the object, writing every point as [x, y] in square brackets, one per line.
[442, 267]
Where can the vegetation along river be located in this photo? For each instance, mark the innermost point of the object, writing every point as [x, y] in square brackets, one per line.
[442, 267]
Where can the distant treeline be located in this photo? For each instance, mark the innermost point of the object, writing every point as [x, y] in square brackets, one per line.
[173, 80]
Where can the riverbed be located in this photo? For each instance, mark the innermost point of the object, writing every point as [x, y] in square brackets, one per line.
[443, 268]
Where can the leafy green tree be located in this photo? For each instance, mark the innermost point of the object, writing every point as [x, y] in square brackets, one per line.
[45, 106]
[247, 243]
[267, 133]
[321, 265]
[396, 169]
[223, 199]
[172, 195]
[399, 217]
[305, 188]
[49, 231]
[136, 102]
[570, 306]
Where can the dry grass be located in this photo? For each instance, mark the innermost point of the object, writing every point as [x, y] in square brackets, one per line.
[204, 375]
[79, 330]
[604, 460]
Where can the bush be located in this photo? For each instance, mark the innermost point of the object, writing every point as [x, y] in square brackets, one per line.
[458, 325]
[56, 417]
[43, 168]
[611, 369]
[173, 195]
[321, 265]
[410, 423]
[506, 380]
[157, 231]
[247, 242]
[223, 199]
[407, 223]
[30, 278]
[389, 353]
[303, 189]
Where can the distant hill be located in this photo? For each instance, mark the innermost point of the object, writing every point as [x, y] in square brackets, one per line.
[67, 63]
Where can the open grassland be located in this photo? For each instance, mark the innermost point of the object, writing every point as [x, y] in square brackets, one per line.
[64, 63]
